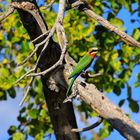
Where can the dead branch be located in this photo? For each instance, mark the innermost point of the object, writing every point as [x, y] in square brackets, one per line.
[27, 91]
[106, 109]
[18, 80]
[38, 45]
[99, 121]
[46, 41]
[64, 45]
[61, 37]
[32, 9]
[106, 23]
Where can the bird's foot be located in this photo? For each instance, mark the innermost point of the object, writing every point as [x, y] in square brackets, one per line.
[69, 98]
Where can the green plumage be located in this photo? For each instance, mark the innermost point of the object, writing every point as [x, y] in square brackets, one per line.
[84, 62]
[70, 85]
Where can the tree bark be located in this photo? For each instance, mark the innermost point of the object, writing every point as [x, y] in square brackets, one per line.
[62, 115]
[106, 109]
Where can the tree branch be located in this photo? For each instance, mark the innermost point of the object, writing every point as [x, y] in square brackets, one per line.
[106, 109]
[99, 121]
[105, 23]
[61, 37]
[7, 13]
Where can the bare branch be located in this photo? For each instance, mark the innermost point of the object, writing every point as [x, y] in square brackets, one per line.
[36, 47]
[24, 75]
[27, 91]
[99, 121]
[61, 37]
[89, 75]
[32, 9]
[47, 70]
[28, 57]
[106, 23]
[106, 109]
[36, 39]
[94, 75]
[7, 13]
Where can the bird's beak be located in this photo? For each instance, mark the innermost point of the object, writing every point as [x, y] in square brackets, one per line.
[95, 50]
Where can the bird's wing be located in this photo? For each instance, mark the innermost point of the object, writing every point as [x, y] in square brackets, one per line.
[82, 64]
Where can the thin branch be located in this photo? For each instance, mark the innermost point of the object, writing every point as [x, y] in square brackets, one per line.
[58, 63]
[7, 13]
[37, 46]
[36, 39]
[94, 75]
[106, 23]
[61, 37]
[27, 91]
[28, 57]
[106, 109]
[24, 75]
[99, 121]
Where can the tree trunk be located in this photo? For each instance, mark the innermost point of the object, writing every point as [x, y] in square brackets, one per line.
[62, 115]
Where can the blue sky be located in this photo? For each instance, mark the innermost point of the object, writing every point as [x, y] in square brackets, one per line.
[9, 109]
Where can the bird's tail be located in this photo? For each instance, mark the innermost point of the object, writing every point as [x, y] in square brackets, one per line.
[70, 85]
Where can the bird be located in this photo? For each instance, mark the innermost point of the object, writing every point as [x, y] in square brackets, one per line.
[83, 64]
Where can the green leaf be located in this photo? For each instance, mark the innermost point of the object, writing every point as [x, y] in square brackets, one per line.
[129, 91]
[39, 136]
[4, 72]
[121, 102]
[133, 105]
[117, 90]
[137, 84]
[117, 22]
[23, 110]
[12, 92]
[136, 34]
[33, 113]
[12, 130]
[18, 136]
[43, 113]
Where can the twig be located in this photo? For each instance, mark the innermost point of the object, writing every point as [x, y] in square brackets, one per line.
[7, 13]
[61, 37]
[94, 75]
[36, 39]
[28, 57]
[47, 70]
[24, 75]
[106, 23]
[27, 91]
[36, 48]
[99, 121]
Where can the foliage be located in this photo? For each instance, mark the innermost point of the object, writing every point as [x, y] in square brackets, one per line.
[116, 62]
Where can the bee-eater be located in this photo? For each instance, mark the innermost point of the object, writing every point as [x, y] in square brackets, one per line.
[83, 64]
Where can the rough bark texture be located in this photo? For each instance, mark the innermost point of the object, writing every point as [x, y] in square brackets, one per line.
[106, 109]
[62, 115]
